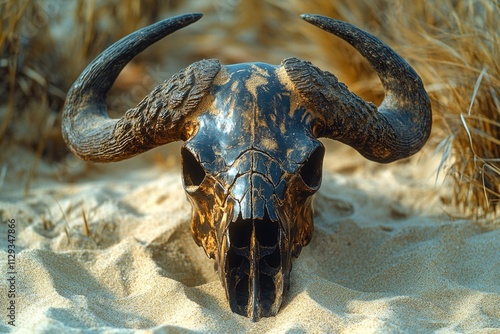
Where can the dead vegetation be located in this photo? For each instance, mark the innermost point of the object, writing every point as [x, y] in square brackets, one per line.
[453, 45]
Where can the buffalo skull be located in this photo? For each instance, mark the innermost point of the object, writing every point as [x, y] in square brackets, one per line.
[251, 159]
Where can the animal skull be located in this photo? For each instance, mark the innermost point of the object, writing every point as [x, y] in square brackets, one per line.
[251, 159]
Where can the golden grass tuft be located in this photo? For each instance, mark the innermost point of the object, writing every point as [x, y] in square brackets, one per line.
[453, 45]
[44, 46]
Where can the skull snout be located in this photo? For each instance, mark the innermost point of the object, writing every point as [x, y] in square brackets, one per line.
[253, 215]
[254, 267]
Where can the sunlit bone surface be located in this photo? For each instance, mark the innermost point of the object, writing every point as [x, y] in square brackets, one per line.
[251, 158]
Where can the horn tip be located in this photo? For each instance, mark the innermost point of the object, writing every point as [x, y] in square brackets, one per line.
[307, 17]
[320, 21]
[190, 18]
[314, 18]
[182, 20]
[196, 16]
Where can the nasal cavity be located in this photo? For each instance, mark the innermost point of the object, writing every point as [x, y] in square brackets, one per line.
[267, 234]
[242, 291]
[263, 255]
[266, 231]
[237, 259]
[240, 233]
[267, 294]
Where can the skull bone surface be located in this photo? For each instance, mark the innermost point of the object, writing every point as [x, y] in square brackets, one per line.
[251, 160]
[250, 172]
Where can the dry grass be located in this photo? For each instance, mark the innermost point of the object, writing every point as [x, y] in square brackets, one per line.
[453, 45]
[44, 46]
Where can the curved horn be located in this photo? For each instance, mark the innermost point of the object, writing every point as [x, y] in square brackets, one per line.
[398, 128]
[92, 135]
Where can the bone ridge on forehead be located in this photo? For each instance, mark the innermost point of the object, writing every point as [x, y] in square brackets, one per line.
[252, 109]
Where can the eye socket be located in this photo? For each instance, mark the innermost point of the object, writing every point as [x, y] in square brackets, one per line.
[192, 172]
[312, 169]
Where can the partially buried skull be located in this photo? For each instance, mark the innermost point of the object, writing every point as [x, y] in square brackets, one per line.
[250, 172]
[251, 159]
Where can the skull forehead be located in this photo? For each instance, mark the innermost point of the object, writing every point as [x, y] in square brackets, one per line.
[252, 111]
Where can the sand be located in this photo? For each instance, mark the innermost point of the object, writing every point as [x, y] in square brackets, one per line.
[385, 257]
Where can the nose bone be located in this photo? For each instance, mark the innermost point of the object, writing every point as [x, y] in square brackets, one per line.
[253, 267]
[256, 196]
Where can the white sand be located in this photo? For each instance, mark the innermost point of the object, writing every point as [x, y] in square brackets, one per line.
[384, 257]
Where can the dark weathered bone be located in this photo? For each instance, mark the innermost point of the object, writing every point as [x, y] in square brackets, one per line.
[251, 161]
[157, 120]
[250, 172]
[395, 130]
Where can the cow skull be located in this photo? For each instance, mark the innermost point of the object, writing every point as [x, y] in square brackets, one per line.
[251, 159]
